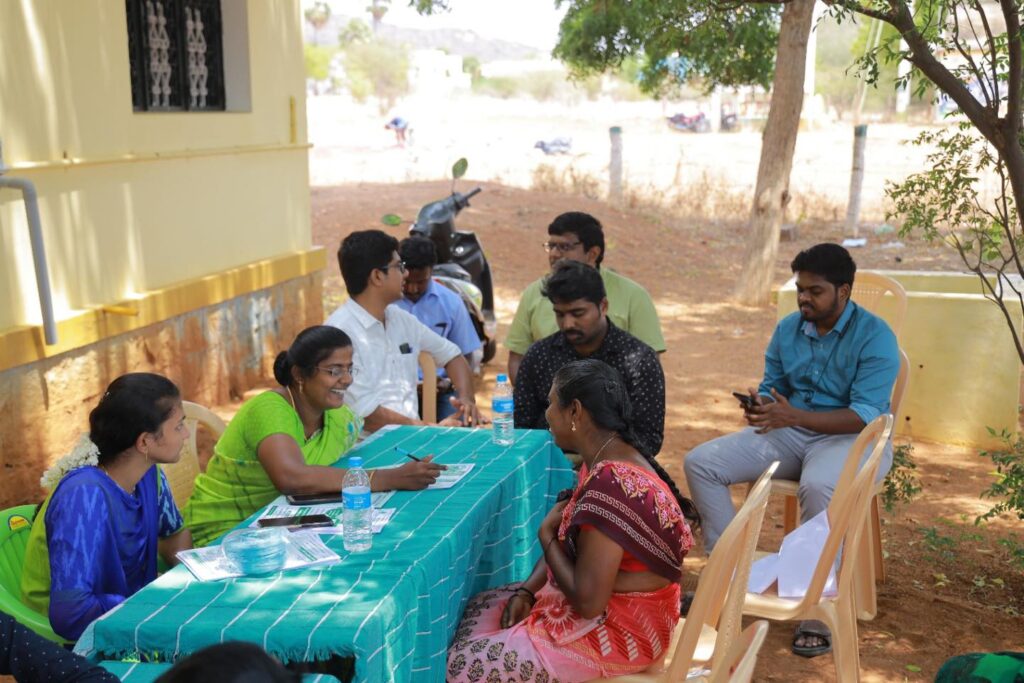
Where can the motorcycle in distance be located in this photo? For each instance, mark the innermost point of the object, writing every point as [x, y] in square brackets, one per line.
[461, 263]
[698, 123]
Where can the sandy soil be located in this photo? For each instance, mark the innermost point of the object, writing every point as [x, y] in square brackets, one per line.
[942, 596]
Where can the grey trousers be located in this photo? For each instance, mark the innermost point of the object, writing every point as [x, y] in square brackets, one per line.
[812, 458]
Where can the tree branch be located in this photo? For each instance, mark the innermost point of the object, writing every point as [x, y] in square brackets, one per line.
[1013, 103]
[993, 59]
[858, 8]
[979, 73]
[922, 57]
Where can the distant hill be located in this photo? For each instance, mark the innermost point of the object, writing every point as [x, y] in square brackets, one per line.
[456, 41]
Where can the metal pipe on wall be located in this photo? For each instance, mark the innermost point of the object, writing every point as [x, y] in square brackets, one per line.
[35, 231]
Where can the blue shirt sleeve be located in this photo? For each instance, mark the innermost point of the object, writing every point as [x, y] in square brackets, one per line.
[169, 518]
[462, 332]
[774, 373]
[877, 368]
[79, 542]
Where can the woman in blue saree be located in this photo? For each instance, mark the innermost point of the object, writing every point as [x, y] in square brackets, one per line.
[96, 537]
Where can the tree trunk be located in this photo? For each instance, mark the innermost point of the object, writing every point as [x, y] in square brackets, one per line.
[777, 145]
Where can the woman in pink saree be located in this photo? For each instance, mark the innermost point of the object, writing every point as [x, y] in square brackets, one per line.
[604, 599]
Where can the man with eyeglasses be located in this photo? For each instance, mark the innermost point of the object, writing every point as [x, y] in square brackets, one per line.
[387, 341]
[578, 236]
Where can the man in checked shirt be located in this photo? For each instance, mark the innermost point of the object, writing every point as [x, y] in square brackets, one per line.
[577, 295]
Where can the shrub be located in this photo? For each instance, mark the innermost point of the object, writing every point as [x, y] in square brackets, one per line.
[1008, 486]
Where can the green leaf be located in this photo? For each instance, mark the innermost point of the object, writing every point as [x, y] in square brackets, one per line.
[913, 667]
[391, 219]
[459, 168]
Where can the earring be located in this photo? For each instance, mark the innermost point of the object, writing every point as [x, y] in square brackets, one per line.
[572, 427]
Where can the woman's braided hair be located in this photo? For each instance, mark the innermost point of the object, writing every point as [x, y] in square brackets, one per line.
[600, 389]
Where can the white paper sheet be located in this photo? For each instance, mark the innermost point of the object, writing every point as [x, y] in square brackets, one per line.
[449, 477]
[794, 564]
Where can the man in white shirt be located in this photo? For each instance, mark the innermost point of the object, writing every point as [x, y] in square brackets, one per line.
[387, 341]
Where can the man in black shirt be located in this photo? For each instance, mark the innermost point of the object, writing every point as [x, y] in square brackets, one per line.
[578, 297]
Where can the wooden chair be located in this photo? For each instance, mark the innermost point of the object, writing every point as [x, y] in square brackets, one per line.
[872, 567]
[870, 288]
[181, 476]
[708, 631]
[429, 395]
[739, 662]
[847, 513]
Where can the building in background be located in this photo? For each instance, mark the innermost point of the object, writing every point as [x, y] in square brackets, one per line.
[167, 143]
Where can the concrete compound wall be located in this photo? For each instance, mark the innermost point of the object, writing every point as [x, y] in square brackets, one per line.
[214, 354]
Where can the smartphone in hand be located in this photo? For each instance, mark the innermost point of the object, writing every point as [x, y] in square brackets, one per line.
[745, 399]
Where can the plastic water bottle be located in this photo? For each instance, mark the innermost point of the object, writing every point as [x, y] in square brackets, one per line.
[357, 519]
[502, 408]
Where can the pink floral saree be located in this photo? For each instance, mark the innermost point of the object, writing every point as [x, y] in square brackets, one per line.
[553, 644]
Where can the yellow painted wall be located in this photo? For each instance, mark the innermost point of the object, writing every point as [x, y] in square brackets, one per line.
[134, 201]
[965, 373]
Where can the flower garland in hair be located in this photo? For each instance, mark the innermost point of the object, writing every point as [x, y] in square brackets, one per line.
[84, 453]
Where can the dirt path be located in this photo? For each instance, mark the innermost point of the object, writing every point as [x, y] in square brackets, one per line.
[950, 588]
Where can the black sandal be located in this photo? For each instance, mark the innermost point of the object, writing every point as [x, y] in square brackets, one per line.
[816, 629]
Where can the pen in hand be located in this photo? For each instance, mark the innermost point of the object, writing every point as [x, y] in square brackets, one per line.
[407, 453]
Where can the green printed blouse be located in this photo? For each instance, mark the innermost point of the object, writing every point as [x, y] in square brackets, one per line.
[235, 485]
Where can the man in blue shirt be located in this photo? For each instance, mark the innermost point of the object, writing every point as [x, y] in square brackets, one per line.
[829, 370]
[437, 307]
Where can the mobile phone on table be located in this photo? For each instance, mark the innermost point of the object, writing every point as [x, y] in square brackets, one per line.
[746, 399]
[304, 521]
[314, 498]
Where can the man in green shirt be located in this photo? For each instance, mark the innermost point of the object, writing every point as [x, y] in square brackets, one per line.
[579, 236]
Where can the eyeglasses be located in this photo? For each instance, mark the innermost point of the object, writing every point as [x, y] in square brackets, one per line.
[560, 247]
[400, 265]
[337, 371]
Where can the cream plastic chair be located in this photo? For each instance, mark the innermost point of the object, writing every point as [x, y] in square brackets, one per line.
[738, 665]
[429, 395]
[181, 476]
[870, 288]
[847, 513]
[708, 631]
[871, 567]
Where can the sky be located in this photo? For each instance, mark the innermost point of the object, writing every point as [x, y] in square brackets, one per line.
[530, 22]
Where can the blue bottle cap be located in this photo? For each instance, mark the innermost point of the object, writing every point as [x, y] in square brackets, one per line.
[355, 461]
[502, 378]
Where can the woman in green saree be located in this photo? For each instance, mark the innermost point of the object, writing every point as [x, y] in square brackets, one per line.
[286, 439]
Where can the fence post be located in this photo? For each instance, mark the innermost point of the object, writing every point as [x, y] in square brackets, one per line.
[615, 165]
[860, 137]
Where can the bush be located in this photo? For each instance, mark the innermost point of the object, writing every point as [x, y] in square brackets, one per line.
[318, 61]
[901, 483]
[1009, 474]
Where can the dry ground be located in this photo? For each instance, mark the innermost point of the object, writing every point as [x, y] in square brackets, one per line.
[951, 588]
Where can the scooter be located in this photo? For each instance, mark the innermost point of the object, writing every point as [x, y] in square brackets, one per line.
[461, 264]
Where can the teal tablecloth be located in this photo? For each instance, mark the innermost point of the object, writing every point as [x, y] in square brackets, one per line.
[135, 672]
[395, 607]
